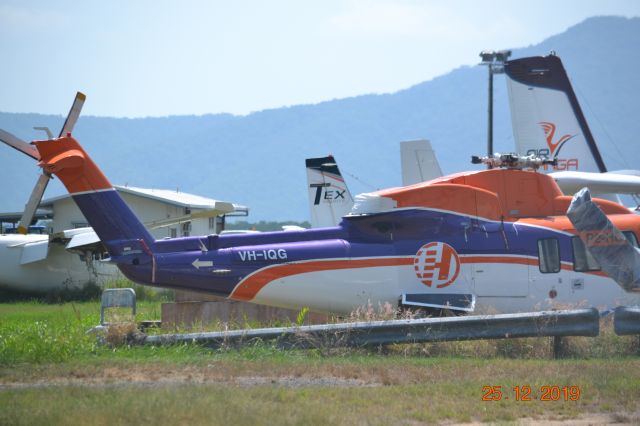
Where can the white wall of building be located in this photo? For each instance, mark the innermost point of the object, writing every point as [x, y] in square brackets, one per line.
[67, 215]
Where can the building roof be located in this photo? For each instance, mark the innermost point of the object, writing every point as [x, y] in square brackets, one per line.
[15, 216]
[176, 198]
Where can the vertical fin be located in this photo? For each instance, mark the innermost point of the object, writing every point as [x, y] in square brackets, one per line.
[547, 119]
[418, 162]
[329, 196]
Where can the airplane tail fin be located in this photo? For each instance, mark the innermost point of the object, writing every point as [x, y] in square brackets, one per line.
[418, 162]
[329, 196]
[546, 117]
[615, 255]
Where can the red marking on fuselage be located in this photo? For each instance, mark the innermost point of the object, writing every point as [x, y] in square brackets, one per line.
[437, 257]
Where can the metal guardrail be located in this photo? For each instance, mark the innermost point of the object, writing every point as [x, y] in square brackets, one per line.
[581, 322]
[626, 320]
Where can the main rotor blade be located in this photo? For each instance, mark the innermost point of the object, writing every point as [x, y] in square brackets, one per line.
[73, 115]
[32, 204]
[19, 144]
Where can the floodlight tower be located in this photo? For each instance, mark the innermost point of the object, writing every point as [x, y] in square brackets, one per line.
[495, 62]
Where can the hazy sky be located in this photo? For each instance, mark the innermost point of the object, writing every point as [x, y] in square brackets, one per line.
[138, 58]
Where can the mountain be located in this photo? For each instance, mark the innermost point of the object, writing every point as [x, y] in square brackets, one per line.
[258, 159]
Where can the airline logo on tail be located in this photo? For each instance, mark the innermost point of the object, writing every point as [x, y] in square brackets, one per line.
[437, 264]
[549, 133]
[555, 144]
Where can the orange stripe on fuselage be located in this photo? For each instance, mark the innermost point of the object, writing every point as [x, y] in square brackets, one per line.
[65, 158]
[248, 288]
[499, 259]
[530, 261]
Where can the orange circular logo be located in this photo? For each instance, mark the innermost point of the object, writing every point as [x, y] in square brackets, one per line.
[437, 264]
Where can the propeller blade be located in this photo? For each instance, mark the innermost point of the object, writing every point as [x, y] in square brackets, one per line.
[32, 204]
[19, 144]
[73, 115]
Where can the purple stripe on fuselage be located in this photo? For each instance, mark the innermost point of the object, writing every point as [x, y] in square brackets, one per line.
[215, 264]
[110, 217]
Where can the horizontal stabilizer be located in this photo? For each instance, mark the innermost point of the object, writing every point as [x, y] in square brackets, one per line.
[616, 256]
[599, 183]
[34, 252]
[84, 240]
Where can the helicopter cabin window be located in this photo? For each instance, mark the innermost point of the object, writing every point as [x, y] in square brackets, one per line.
[631, 237]
[549, 255]
[582, 258]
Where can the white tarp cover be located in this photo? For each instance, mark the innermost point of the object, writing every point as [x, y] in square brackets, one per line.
[616, 256]
[369, 203]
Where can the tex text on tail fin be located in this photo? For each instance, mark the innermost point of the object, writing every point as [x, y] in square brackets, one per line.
[329, 196]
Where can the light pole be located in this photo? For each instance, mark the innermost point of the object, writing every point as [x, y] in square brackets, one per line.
[495, 62]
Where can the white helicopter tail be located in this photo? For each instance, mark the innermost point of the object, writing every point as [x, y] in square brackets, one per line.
[329, 196]
[418, 162]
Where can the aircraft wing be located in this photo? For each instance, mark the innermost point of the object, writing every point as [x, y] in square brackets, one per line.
[83, 240]
[600, 183]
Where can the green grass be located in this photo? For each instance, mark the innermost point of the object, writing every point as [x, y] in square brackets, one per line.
[402, 391]
[53, 372]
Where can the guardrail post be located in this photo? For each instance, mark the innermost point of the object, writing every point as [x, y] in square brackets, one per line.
[559, 347]
[117, 298]
[626, 322]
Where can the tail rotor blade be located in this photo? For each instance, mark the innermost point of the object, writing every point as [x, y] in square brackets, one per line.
[19, 144]
[32, 204]
[73, 115]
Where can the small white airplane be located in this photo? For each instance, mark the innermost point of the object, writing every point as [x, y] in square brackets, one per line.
[548, 122]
